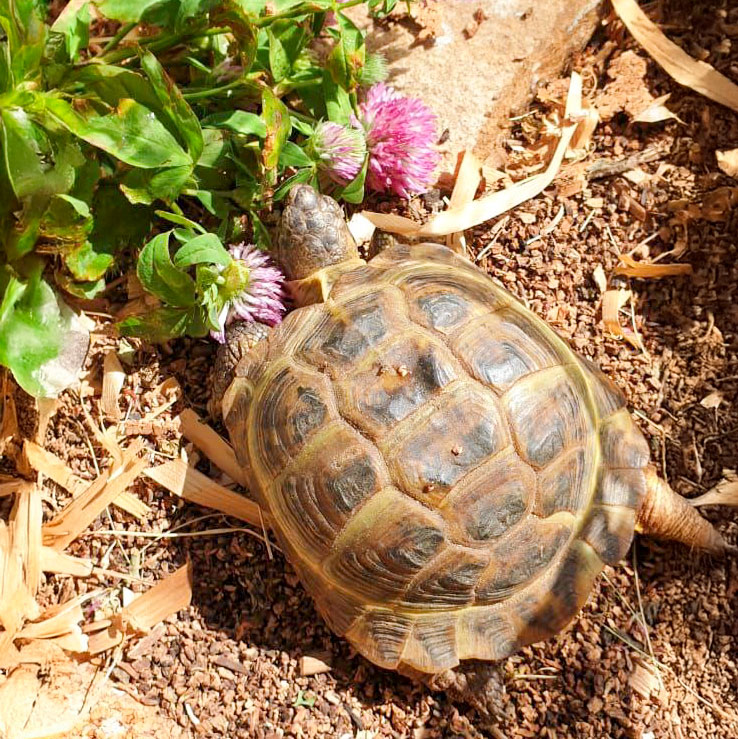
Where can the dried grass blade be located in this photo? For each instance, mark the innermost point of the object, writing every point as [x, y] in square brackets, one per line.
[465, 188]
[133, 505]
[499, 202]
[13, 486]
[58, 620]
[25, 532]
[182, 480]
[113, 379]
[212, 445]
[392, 223]
[166, 597]
[724, 493]
[64, 564]
[84, 509]
[612, 302]
[687, 71]
[630, 268]
[52, 467]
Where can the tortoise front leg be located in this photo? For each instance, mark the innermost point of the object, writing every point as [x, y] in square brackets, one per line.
[241, 338]
[666, 515]
[474, 682]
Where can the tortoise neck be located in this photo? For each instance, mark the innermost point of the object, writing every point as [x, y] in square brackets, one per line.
[316, 287]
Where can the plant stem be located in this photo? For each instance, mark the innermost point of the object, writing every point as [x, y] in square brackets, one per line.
[161, 42]
[121, 33]
[198, 94]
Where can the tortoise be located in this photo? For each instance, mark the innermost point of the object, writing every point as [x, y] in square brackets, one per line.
[446, 475]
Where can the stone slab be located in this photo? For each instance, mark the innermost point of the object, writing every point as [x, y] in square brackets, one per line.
[476, 62]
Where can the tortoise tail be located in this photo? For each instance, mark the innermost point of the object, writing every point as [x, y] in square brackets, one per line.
[666, 515]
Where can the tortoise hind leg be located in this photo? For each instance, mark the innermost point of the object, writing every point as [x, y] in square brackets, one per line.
[667, 515]
[479, 684]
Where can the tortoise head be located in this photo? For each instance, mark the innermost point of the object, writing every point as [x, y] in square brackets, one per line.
[312, 234]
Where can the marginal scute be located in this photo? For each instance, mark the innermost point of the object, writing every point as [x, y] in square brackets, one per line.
[432, 643]
[381, 550]
[380, 635]
[336, 474]
[556, 599]
[622, 442]
[338, 606]
[235, 406]
[403, 376]
[565, 484]
[431, 456]
[490, 501]
[521, 556]
[505, 346]
[485, 633]
[622, 486]
[294, 405]
[609, 531]
[548, 414]
[607, 397]
[448, 581]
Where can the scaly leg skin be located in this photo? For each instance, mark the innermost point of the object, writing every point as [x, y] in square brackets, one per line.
[474, 682]
[241, 337]
[666, 515]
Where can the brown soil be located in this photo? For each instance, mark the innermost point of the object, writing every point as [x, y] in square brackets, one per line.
[232, 660]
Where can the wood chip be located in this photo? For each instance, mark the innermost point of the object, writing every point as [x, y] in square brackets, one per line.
[182, 480]
[310, 665]
[728, 162]
[712, 400]
[166, 598]
[212, 445]
[649, 270]
[113, 379]
[599, 277]
[612, 302]
[687, 71]
[67, 525]
[644, 680]
[656, 112]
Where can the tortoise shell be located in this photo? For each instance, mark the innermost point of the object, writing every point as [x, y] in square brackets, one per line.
[445, 474]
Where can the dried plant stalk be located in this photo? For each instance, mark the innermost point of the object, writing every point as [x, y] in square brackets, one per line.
[465, 188]
[13, 486]
[724, 493]
[182, 480]
[212, 445]
[64, 564]
[612, 302]
[630, 268]
[166, 597]
[52, 467]
[687, 71]
[84, 509]
[113, 379]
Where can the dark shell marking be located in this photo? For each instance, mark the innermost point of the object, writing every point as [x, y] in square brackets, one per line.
[446, 475]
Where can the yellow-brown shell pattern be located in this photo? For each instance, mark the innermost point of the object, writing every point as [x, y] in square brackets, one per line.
[445, 474]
